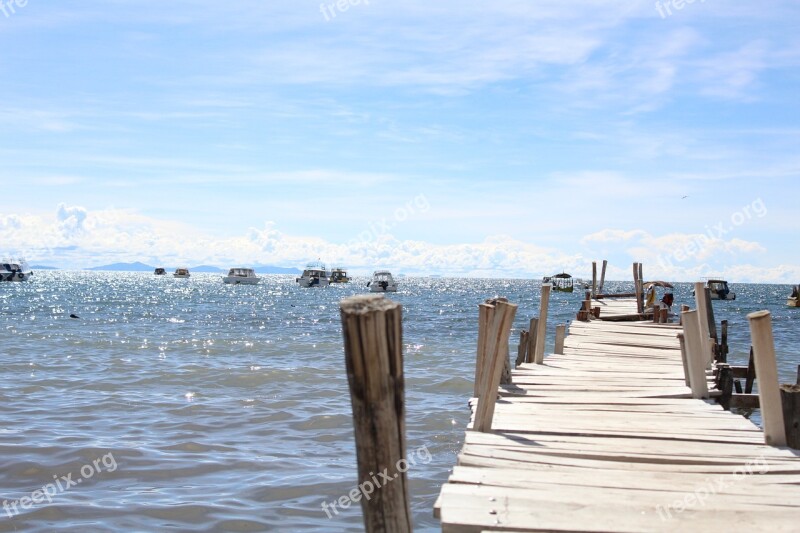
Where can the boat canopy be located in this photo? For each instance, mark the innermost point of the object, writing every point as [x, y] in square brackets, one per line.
[316, 265]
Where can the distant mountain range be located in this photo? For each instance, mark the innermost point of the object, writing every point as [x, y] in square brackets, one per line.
[141, 267]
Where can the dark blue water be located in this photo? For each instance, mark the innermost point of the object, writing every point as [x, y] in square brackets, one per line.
[192, 405]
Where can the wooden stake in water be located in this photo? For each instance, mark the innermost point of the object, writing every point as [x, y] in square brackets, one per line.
[602, 276]
[542, 325]
[373, 348]
[767, 372]
[497, 350]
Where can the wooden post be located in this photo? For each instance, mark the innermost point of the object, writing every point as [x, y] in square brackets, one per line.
[373, 349]
[702, 310]
[561, 331]
[767, 371]
[725, 385]
[684, 358]
[505, 375]
[603, 276]
[532, 331]
[594, 279]
[641, 276]
[639, 297]
[522, 350]
[695, 354]
[542, 326]
[712, 323]
[664, 312]
[751, 374]
[497, 349]
[790, 398]
[723, 347]
[484, 316]
[684, 308]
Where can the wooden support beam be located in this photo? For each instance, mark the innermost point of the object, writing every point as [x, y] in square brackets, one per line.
[522, 349]
[594, 278]
[767, 371]
[533, 330]
[561, 331]
[497, 349]
[602, 277]
[725, 385]
[790, 399]
[744, 401]
[373, 347]
[684, 358]
[723, 346]
[541, 332]
[695, 354]
[484, 317]
[702, 310]
[750, 377]
[664, 312]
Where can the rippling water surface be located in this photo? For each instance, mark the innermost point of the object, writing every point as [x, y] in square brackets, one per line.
[189, 405]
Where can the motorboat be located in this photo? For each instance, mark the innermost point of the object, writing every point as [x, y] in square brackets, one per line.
[339, 275]
[794, 299]
[181, 272]
[382, 281]
[314, 275]
[15, 270]
[241, 276]
[560, 282]
[160, 271]
[719, 289]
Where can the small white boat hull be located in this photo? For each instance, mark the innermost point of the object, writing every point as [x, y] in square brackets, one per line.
[312, 282]
[15, 276]
[730, 296]
[182, 276]
[375, 287]
[793, 302]
[238, 280]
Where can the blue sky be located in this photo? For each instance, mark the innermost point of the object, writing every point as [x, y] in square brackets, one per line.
[513, 138]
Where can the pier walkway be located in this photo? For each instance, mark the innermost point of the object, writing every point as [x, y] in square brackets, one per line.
[607, 437]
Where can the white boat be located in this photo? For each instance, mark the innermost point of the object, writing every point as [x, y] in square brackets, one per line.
[15, 270]
[181, 273]
[339, 275]
[314, 275]
[241, 276]
[719, 289]
[382, 281]
[794, 299]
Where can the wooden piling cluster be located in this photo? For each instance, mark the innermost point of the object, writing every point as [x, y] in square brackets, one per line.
[618, 430]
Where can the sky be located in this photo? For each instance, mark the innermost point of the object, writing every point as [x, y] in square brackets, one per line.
[503, 139]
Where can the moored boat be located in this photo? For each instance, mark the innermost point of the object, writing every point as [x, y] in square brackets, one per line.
[241, 276]
[719, 289]
[15, 270]
[339, 275]
[160, 271]
[560, 282]
[314, 275]
[382, 281]
[794, 299]
[181, 272]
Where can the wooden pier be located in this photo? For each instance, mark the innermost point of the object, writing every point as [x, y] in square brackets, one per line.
[609, 436]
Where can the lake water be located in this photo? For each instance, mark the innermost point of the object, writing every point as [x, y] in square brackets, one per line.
[189, 405]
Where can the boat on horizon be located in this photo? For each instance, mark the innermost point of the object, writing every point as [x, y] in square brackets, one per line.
[15, 270]
[338, 275]
[719, 289]
[314, 275]
[561, 282]
[794, 299]
[382, 281]
[160, 271]
[181, 272]
[241, 276]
